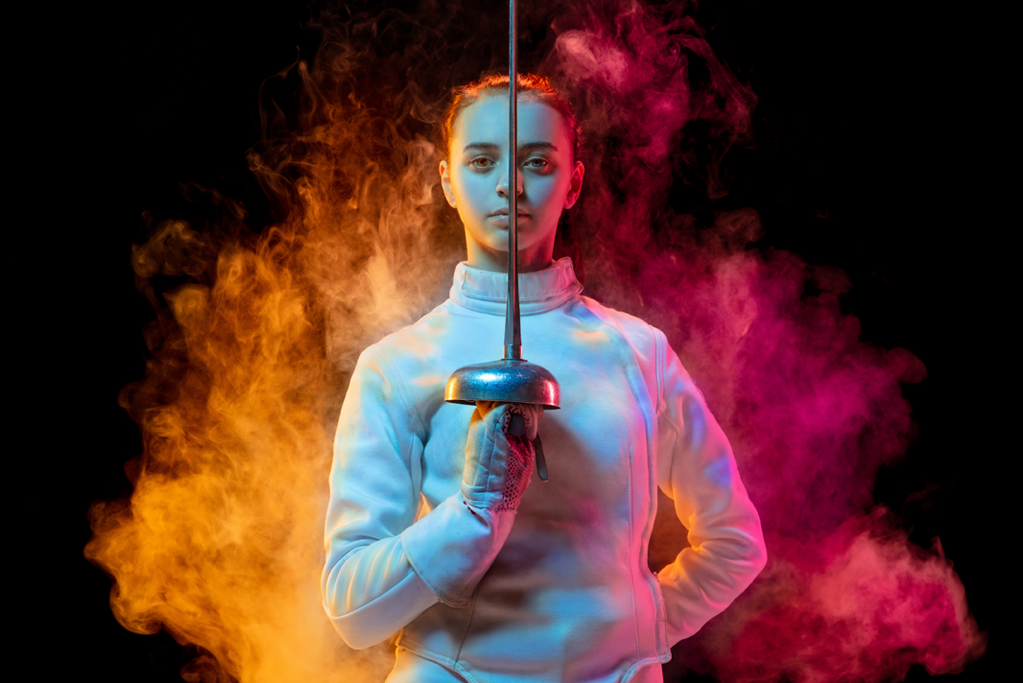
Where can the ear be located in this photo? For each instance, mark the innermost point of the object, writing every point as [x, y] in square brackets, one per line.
[575, 186]
[445, 184]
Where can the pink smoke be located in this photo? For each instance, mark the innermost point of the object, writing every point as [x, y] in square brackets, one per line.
[877, 605]
[812, 411]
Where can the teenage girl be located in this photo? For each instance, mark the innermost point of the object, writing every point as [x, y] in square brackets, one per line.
[435, 526]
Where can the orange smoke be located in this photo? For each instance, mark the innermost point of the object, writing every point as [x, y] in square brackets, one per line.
[222, 541]
[231, 412]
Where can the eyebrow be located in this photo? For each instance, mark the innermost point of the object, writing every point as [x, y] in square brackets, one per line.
[490, 146]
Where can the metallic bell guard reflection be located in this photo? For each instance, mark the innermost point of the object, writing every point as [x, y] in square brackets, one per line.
[512, 379]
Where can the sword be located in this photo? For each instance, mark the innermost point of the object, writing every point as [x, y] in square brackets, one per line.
[512, 379]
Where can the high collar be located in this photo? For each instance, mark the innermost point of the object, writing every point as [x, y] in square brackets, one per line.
[539, 291]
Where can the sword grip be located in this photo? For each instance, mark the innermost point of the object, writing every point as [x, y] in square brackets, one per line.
[517, 427]
[541, 462]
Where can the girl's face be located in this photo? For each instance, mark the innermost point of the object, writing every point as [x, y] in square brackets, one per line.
[475, 180]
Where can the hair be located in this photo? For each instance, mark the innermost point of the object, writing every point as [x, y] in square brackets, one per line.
[536, 88]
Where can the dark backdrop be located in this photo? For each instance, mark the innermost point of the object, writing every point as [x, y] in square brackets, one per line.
[878, 147]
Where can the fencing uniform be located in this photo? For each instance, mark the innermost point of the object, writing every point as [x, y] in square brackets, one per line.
[555, 587]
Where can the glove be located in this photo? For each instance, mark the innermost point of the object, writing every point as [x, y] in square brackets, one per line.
[498, 466]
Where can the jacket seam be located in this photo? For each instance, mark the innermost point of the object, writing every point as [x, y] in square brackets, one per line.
[646, 661]
[660, 341]
[660, 363]
[632, 569]
[468, 624]
[410, 406]
[628, 356]
[435, 657]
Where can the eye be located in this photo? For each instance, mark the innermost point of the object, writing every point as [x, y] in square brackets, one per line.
[537, 164]
[481, 163]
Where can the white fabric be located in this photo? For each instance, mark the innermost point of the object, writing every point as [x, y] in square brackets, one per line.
[558, 590]
[497, 467]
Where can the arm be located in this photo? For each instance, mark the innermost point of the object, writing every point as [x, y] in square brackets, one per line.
[383, 567]
[696, 469]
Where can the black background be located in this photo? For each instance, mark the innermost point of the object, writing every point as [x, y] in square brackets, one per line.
[879, 136]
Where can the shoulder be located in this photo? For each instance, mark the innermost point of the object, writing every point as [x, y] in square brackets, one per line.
[640, 334]
[415, 361]
[391, 374]
[412, 342]
[648, 344]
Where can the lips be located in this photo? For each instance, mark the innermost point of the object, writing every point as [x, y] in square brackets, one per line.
[503, 213]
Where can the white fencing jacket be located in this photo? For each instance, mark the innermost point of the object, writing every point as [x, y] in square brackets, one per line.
[558, 590]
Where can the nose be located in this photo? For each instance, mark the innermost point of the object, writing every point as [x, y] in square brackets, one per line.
[502, 184]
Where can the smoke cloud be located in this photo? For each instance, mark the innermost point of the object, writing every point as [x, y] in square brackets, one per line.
[221, 541]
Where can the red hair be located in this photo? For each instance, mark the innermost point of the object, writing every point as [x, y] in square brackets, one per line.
[536, 88]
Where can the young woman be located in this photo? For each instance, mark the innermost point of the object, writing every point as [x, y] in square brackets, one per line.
[434, 527]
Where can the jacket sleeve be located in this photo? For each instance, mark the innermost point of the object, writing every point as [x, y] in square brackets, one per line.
[696, 469]
[383, 567]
